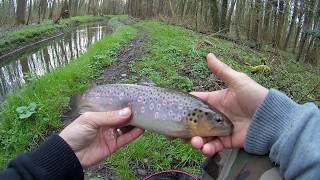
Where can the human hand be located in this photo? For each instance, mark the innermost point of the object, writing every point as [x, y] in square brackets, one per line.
[238, 102]
[93, 136]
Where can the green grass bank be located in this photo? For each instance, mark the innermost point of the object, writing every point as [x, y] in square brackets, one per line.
[13, 39]
[51, 94]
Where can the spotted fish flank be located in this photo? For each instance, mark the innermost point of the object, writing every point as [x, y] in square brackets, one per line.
[162, 110]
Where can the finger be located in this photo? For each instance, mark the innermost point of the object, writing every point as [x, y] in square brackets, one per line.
[202, 95]
[212, 147]
[197, 142]
[112, 119]
[221, 70]
[129, 136]
[213, 98]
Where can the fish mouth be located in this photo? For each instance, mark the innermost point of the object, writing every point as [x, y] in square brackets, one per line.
[223, 131]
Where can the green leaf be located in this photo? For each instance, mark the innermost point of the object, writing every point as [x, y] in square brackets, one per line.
[21, 109]
[26, 115]
[32, 106]
[26, 112]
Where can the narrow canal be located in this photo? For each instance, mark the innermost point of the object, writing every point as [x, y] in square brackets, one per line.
[44, 57]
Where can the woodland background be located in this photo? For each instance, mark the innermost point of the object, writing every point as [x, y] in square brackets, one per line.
[288, 25]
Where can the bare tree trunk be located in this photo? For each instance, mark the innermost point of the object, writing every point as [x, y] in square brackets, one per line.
[292, 23]
[306, 25]
[280, 23]
[275, 23]
[224, 8]
[233, 2]
[21, 11]
[52, 9]
[249, 17]
[267, 20]
[215, 16]
[256, 22]
[30, 12]
[301, 19]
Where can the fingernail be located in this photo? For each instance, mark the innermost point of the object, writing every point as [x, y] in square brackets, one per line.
[124, 112]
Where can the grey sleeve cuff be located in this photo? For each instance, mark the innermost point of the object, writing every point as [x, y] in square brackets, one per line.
[271, 119]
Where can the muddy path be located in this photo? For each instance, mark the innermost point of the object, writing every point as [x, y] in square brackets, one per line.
[119, 70]
[116, 73]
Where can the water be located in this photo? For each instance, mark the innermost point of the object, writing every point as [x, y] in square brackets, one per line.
[47, 56]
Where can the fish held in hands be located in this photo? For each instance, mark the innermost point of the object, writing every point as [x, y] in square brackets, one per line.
[165, 111]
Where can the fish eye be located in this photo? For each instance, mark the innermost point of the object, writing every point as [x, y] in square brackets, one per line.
[219, 120]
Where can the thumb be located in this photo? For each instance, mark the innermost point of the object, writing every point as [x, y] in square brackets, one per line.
[221, 70]
[112, 118]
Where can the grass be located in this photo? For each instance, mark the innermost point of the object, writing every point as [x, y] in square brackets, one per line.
[12, 39]
[51, 94]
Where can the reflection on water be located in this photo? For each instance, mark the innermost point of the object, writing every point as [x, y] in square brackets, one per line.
[45, 57]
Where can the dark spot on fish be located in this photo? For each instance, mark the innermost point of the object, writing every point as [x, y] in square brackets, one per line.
[193, 114]
[200, 110]
[195, 121]
[206, 113]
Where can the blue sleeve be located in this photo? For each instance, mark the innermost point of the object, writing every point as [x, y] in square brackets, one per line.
[290, 133]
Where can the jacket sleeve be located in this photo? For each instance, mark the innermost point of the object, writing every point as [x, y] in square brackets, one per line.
[54, 159]
[290, 133]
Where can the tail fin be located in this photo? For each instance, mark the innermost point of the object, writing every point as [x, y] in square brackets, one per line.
[72, 111]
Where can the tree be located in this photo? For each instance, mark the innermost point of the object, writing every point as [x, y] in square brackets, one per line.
[224, 9]
[29, 12]
[292, 23]
[306, 25]
[228, 20]
[281, 18]
[267, 21]
[43, 5]
[215, 16]
[257, 22]
[21, 11]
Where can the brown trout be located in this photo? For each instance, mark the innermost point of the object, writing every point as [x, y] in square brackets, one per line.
[162, 110]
